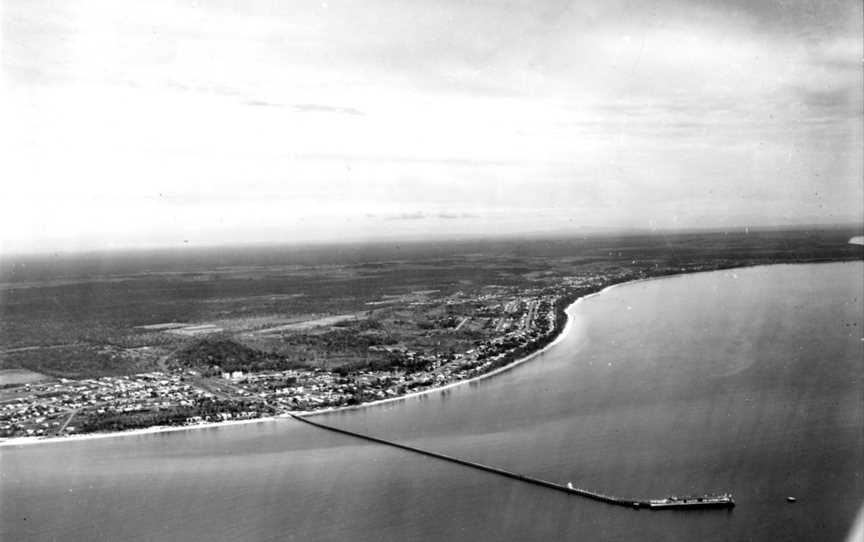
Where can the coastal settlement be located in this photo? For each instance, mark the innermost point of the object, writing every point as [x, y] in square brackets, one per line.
[258, 363]
[215, 388]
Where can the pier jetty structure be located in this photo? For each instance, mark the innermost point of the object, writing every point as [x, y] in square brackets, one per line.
[724, 500]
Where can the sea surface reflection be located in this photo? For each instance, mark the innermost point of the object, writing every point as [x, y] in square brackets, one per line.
[745, 380]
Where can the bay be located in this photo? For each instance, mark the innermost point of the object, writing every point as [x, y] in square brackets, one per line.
[745, 380]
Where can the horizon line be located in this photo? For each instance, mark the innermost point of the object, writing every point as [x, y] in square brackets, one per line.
[420, 239]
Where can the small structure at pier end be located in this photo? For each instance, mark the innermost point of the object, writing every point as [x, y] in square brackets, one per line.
[724, 500]
[707, 501]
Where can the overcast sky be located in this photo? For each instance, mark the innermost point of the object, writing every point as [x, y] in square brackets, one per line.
[160, 123]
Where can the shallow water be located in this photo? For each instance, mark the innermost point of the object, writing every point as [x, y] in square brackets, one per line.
[746, 381]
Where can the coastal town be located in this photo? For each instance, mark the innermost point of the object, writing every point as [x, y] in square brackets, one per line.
[519, 324]
[244, 358]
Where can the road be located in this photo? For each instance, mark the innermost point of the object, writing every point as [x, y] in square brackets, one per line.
[69, 419]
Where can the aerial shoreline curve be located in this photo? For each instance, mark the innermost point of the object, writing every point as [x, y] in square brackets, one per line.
[17, 441]
[554, 339]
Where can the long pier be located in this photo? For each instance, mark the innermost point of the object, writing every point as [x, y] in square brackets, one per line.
[630, 503]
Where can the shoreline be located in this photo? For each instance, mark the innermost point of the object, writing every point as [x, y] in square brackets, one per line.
[567, 325]
[24, 441]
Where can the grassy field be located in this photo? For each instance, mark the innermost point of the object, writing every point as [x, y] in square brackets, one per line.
[94, 314]
[14, 377]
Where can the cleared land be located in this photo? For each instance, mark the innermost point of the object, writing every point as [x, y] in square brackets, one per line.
[310, 324]
[14, 377]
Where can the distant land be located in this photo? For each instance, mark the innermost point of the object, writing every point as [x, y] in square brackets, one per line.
[121, 340]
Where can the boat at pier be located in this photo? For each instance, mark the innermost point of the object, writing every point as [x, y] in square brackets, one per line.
[702, 501]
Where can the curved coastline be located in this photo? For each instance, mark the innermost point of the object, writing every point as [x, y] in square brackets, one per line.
[21, 441]
[303, 413]
[560, 336]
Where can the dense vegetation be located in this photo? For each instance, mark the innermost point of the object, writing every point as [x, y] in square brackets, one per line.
[205, 409]
[223, 354]
[82, 304]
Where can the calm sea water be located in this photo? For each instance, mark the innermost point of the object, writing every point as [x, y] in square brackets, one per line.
[747, 381]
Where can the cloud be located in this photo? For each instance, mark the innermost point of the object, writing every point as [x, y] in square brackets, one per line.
[308, 108]
[455, 216]
[408, 216]
[418, 215]
[623, 111]
[831, 98]
[262, 103]
[318, 108]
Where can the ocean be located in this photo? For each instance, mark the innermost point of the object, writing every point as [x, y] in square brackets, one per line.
[744, 380]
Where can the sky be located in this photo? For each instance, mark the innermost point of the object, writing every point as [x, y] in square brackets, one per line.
[160, 123]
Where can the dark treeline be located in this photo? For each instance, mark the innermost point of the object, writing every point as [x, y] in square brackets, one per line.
[805, 243]
[206, 409]
[223, 354]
